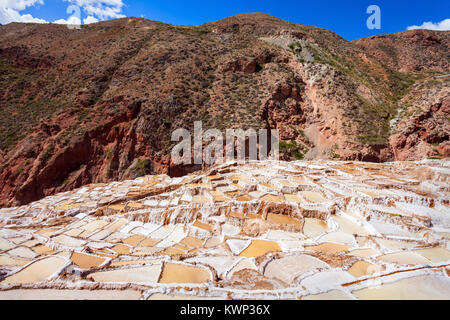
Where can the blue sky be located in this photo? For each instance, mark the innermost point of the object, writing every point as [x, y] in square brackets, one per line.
[345, 17]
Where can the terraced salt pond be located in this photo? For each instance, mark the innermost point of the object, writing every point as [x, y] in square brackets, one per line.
[264, 230]
[37, 271]
[74, 294]
[180, 273]
[415, 288]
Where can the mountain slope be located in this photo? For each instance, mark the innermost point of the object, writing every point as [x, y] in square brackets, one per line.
[100, 103]
[421, 127]
[410, 51]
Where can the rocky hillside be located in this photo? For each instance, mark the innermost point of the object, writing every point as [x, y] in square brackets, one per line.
[410, 51]
[421, 126]
[99, 104]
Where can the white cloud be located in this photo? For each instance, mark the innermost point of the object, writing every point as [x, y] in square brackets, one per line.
[19, 4]
[95, 10]
[72, 20]
[444, 25]
[102, 9]
[10, 11]
[90, 19]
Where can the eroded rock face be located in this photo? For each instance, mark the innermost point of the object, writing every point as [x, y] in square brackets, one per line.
[52, 168]
[265, 230]
[427, 132]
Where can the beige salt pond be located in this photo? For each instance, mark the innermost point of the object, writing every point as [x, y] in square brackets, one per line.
[136, 205]
[426, 287]
[314, 227]
[202, 225]
[405, 258]
[86, 261]
[237, 245]
[241, 265]
[8, 261]
[68, 241]
[73, 232]
[338, 237]
[364, 253]
[267, 187]
[244, 198]
[47, 232]
[181, 273]
[312, 196]
[147, 274]
[23, 252]
[41, 249]
[435, 255]
[6, 245]
[148, 242]
[134, 262]
[355, 215]
[396, 245]
[122, 249]
[212, 242]
[134, 240]
[276, 235]
[116, 225]
[174, 251]
[94, 225]
[146, 251]
[348, 226]
[259, 248]
[374, 193]
[102, 234]
[302, 181]
[37, 271]
[272, 198]
[221, 198]
[192, 242]
[326, 279]
[30, 243]
[292, 198]
[283, 219]
[329, 248]
[201, 199]
[288, 268]
[330, 295]
[64, 294]
[364, 268]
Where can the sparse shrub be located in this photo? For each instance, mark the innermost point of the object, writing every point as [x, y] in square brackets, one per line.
[143, 167]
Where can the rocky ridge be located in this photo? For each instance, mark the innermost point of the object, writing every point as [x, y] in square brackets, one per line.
[98, 104]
